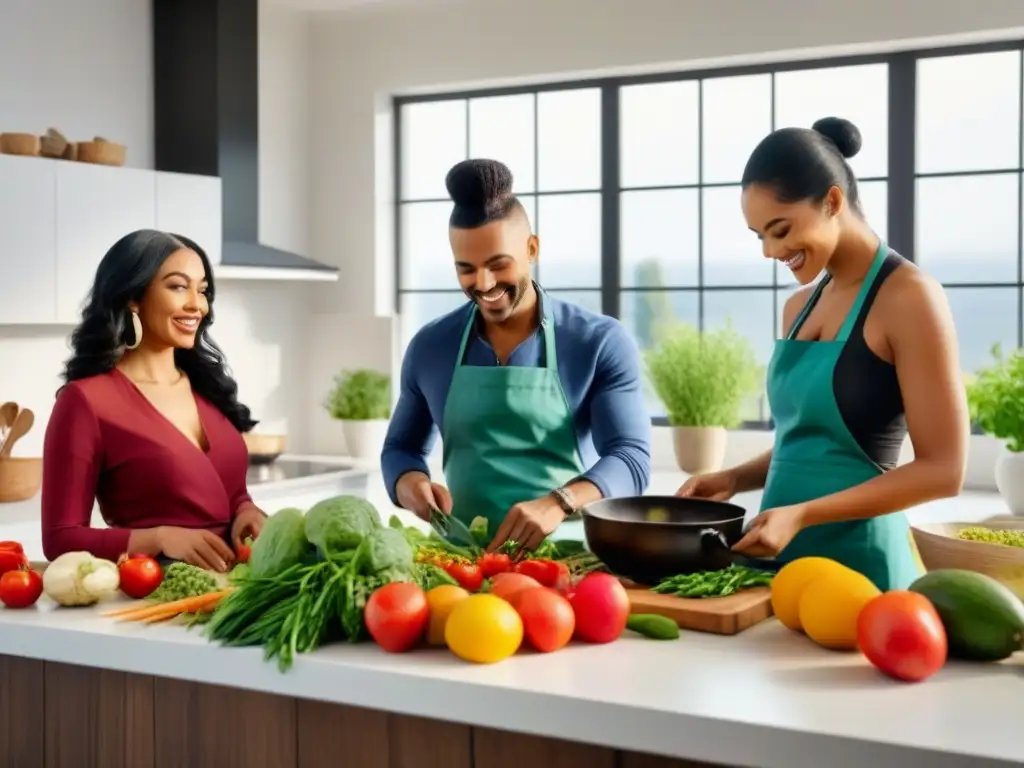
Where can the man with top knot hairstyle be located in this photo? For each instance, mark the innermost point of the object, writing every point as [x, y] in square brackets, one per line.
[538, 401]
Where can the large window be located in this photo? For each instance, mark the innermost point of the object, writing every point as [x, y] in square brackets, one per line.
[633, 186]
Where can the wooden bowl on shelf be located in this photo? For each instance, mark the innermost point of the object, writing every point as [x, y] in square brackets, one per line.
[26, 144]
[938, 546]
[264, 449]
[20, 478]
[101, 152]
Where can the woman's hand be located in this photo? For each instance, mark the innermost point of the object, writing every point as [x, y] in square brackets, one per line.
[716, 486]
[196, 546]
[247, 524]
[771, 531]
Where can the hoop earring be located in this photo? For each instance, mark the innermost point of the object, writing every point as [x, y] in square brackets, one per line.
[137, 328]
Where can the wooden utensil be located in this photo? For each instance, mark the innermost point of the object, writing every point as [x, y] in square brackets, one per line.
[8, 413]
[718, 615]
[22, 424]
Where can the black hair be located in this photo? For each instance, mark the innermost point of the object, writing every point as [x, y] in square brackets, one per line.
[804, 164]
[100, 339]
[482, 192]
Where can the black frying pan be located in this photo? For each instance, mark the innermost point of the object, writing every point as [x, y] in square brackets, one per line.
[649, 538]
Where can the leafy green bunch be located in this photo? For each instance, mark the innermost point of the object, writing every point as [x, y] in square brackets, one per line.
[360, 395]
[703, 378]
[996, 398]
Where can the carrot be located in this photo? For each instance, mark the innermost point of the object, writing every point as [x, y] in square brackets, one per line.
[164, 611]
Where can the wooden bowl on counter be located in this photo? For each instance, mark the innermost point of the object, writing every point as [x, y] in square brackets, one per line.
[26, 144]
[101, 152]
[264, 449]
[939, 548]
[20, 478]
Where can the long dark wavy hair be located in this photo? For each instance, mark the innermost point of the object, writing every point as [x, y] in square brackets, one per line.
[99, 341]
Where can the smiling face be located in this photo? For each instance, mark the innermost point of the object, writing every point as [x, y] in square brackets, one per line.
[493, 264]
[802, 236]
[175, 302]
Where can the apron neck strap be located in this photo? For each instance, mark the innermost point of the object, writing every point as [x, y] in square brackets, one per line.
[865, 288]
[547, 325]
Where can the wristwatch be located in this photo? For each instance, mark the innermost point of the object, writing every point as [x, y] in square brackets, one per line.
[565, 500]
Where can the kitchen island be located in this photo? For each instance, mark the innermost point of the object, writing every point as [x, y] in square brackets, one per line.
[79, 690]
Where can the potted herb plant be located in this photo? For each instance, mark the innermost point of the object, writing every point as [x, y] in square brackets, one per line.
[361, 401]
[703, 379]
[996, 399]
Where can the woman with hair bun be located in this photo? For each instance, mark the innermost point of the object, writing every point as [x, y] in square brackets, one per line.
[148, 421]
[867, 353]
[538, 401]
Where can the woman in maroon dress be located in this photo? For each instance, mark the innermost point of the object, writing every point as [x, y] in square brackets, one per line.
[148, 422]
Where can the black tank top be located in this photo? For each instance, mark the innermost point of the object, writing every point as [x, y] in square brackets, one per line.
[866, 389]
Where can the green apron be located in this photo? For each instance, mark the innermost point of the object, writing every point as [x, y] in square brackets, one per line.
[815, 455]
[508, 433]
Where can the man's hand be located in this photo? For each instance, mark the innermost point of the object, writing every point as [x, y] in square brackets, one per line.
[416, 493]
[528, 523]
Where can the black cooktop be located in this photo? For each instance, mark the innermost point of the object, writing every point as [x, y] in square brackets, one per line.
[291, 469]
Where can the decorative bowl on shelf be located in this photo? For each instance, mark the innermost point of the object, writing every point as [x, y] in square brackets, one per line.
[264, 449]
[101, 152]
[938, 546]
[26, 144]
[20, 478]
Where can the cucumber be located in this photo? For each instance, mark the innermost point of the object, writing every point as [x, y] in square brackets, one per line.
[653, 626]
[984, 620]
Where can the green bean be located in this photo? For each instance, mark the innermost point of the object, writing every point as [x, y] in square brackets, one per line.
[722, 583]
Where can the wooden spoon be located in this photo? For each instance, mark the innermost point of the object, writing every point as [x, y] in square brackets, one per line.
[22, 424]
[8, 413]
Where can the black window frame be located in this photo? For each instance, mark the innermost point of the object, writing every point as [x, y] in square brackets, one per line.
[901, 176]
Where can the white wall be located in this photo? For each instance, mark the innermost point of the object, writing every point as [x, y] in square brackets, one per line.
[361, 60]
[86, 69]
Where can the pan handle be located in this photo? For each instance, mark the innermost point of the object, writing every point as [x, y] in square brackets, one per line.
[712, 540]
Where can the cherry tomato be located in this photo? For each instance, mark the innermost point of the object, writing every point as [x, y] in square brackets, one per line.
[544, 571]
[244, 551]
[601, 605]
[494, 563]
[902, 635]
[548, 618]
[140, 576]
[12, 559]
[469, 575]
[396, 616]
[20, 588]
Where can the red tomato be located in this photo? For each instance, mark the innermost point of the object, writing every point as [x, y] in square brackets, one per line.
[508, 585]
[16, 546]
[469, 575]
[601, 606]
[21, 588]
[548, 619]
[396, 616]
[244, 551]
[544, 571]
[12, 559]
[494, 563]
[140, 576]
[902, 635]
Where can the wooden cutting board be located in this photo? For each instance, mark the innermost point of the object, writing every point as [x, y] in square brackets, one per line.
[719, 615]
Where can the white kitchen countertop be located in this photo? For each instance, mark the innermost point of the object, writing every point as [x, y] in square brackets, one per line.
[766, 697]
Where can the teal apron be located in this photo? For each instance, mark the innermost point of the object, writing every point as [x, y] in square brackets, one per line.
[815, 455]
[508, 433]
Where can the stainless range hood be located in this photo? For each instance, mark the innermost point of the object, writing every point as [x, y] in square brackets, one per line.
[206, 121]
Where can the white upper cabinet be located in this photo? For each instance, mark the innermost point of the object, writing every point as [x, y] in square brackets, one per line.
[191, 206]
[96, 206]
[28, 254]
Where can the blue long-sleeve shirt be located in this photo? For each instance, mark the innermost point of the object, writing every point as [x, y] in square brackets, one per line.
[599, 368]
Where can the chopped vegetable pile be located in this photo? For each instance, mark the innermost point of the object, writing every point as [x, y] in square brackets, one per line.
[182, 580]
[723, 583]
[990, 536]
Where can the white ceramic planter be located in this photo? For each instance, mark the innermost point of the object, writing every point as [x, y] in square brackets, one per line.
[365, 439]
[1010, 480]
[699, 449]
